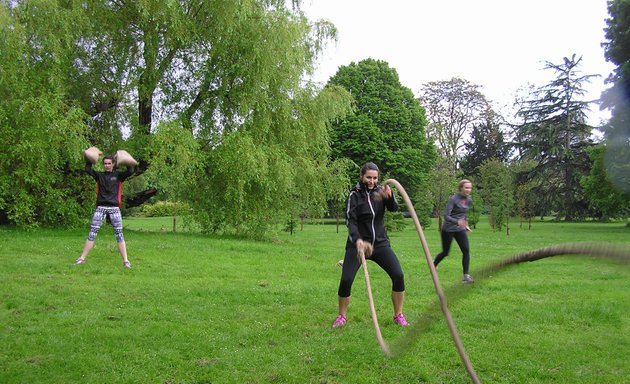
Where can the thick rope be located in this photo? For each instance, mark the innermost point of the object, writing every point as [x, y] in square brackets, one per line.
[436, 282]
[377, 329]
[615, 253]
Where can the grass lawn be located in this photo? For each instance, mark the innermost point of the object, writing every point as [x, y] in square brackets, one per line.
[209, 309]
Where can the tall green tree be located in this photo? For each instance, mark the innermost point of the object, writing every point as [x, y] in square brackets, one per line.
[41, 131]
[497, 190]
[555, 134]
[387, 127]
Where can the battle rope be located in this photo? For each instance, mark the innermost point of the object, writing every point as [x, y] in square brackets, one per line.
[621, 254]
[377, 329]
[616, 253]
[436, 282]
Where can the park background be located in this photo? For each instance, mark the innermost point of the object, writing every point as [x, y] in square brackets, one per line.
[241, 149]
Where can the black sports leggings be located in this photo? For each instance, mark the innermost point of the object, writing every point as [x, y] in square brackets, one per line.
[383, 256]
[462, 240]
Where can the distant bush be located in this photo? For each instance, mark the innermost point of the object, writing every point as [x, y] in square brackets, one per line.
[164, 208]
[395, 221]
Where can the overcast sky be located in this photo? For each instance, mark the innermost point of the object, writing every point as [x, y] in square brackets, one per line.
[501, 45]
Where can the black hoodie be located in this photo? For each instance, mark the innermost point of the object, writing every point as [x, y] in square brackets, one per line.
[365, 215]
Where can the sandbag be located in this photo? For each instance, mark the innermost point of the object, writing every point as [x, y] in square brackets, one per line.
[92, 154]
[123, 157]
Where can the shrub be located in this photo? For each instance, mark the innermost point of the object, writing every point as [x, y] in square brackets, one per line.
[165, 208]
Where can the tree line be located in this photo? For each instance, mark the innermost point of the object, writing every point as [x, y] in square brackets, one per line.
[214, 101]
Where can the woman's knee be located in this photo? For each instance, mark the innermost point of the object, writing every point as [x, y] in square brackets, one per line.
[398, 283]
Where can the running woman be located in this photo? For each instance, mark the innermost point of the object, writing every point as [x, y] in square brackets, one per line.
[455, 227]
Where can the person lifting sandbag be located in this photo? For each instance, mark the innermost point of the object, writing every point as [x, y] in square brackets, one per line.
[123, 157]
[92, 154]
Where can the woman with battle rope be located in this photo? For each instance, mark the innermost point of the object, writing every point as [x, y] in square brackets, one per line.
[365, 212]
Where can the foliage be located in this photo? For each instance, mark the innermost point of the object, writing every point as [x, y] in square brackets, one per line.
[176, 161]
[554, 133]
[270, 170]
[617, 98]
[609, 201]
[164, 208]
[41, 135]
[486, 142]
[443, 184]
[453, 108]
[525, 199]
[496, 189]
[336, 186]
[387, 127]
[395, 221]
[131, 74]
[476, 209]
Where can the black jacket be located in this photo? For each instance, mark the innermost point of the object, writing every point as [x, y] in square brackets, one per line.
[365, 215]
[108, 185]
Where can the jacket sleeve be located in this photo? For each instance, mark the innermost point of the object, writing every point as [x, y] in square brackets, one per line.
[128, 172]
[391, 203]
[90, 171]
[352, 218]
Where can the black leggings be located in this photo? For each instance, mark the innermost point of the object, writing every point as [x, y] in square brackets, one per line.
[383, 256]
[462, 240]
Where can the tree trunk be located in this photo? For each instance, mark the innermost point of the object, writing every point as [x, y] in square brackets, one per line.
[174, 218]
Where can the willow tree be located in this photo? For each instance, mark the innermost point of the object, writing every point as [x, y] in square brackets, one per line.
[229, 72]
[41, 131]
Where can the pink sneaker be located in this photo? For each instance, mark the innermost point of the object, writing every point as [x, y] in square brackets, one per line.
[400, 320]
[340, 321]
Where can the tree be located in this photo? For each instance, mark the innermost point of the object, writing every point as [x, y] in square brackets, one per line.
[555, 134]
[453, 108]
[486, 142]
[230, 72]
[617, 98]
[604, 197]
[496, 190]
[181, 163]
[387, 127]
[525, 203]
[41, 132]
[443, 183]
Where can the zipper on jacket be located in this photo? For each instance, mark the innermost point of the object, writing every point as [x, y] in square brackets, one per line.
[373, 217]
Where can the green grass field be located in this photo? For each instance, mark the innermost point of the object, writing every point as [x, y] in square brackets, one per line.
[207, 309]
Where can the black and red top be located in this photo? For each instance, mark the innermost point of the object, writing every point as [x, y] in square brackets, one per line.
[108, 185]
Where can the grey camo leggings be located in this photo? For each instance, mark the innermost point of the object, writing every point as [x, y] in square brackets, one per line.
[97, 221]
